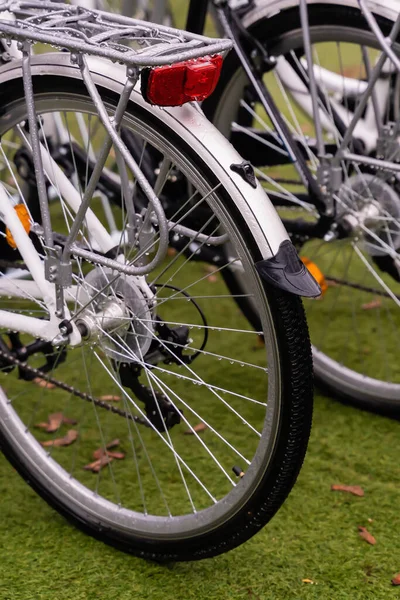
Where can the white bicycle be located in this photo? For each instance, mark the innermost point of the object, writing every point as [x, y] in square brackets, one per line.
[135, 343]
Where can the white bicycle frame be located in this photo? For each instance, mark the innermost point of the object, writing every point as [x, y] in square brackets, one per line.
[366, 128]
[339, 87]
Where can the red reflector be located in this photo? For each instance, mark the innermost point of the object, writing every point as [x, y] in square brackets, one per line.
[184, 82]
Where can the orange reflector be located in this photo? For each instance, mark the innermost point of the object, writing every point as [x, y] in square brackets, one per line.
[316, 273]
[188, 81]
[24, 217]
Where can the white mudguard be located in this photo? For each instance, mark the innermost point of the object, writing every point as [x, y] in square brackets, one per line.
[269, 8]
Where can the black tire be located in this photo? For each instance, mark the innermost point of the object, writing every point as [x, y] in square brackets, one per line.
[294, 415]
[291, 445]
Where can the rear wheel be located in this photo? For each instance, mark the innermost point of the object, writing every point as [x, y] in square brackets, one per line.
[354, 325]
[185, 441]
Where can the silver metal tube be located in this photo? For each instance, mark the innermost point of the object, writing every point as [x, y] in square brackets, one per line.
[373, 162]
[164, 45]
[311, 76]
[365, 96]
[132, 164]
[378, 117]
[36, 154]
[101, 160]
[383, 42]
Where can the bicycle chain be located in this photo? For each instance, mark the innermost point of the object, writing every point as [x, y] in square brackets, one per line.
[362, 288]
[67, 388]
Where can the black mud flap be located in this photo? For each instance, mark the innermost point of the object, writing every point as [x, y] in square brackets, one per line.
[286, 271]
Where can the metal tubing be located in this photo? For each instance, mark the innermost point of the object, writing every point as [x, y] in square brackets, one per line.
[36, 154]
[383, 42]
[132, 164]
[373, 162]
[365, 97]
[98, 168]
[311, 76]
[161, 45]
[272, 111]
[367, 64]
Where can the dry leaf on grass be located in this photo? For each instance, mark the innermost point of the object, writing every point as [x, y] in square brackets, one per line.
[43, 383]
[371, 305]
[97, 465]
[366, 535]
[117, 455]
[356, 490]
[110, 398]
[213, 273]
[307, 581]
[100, 451]
[68, 439]
[199, 428]
[396, 579]
[260, 343]
[55, 421]
[104, 456]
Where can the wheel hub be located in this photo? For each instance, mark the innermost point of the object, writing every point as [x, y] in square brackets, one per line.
[120, 317]
[368, 202]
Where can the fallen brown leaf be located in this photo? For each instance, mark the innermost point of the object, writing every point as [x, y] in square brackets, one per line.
[307, 581]
[42, 425]
[55, 421]
[97, 465]
[110, 398]
[356, 490]
[171, 251]
[370, 520]
[213, 273]
[43, 383]
[199, 428]
[371, 305]
[209, 269]
[117, 455]
[68, 439]
[396, 579]
[101, 451]
[366, 535]
[260, 343]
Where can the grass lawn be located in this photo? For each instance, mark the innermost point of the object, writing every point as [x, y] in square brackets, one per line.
[314, 536]
[311, 549]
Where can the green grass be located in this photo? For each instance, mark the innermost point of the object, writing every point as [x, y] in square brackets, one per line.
[314, 535]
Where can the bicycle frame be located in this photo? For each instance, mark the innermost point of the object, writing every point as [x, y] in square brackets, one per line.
[354, 128]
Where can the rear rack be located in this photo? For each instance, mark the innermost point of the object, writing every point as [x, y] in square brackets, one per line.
[128, 41]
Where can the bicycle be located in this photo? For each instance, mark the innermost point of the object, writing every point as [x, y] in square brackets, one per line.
[134, 346]
[323, 143]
